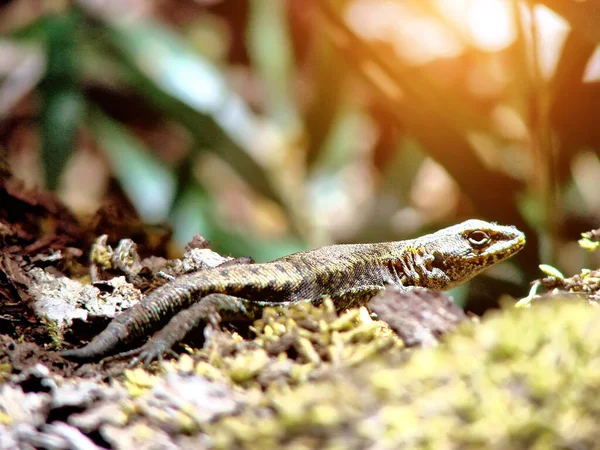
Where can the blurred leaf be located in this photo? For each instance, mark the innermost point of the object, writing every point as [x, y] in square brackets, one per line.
[328, 99]
[194, 212]
[152, 186]
[270, 49]
[146, 180]
[191, 213]
[22, 78]
[551, 271]
[62, 103]
[440, 121]
[575, 106]
[341, 140]
[584, 16]
[195, 93]
[34, 31]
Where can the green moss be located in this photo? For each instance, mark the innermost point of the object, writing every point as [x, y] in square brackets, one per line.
[54, 332]
[519, 379]
[5, 372]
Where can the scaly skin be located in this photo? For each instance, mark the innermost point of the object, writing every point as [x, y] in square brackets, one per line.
[350, 274]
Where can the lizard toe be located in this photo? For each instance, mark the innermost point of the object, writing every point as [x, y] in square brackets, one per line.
[149, 352]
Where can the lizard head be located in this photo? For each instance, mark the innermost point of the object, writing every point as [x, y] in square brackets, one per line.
[458, 253]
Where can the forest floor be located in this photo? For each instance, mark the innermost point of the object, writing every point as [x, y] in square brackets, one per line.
[423, 376]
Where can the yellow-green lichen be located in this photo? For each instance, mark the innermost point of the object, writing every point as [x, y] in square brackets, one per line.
[5, 371]
[138, 381]
[519, 379]
[54, 332]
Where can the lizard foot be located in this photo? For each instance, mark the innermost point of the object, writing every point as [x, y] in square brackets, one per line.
[146, 354]
[149, 352]
[208, 309]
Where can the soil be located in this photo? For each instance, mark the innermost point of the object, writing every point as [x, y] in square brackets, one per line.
[37, 232]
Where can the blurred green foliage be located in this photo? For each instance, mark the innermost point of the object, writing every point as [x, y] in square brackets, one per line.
[271, 126]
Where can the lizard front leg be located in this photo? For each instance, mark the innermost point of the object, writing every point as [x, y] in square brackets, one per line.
[431, 268]
[423, 270]
[212, 308]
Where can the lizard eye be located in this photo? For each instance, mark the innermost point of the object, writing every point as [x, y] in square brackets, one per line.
[478, 238]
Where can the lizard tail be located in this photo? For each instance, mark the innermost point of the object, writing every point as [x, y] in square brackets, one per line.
[101, 345]
[143, 318]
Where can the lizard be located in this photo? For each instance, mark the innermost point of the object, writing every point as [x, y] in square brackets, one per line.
[350, 274]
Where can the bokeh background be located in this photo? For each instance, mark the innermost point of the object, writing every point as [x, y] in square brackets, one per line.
[272, 126]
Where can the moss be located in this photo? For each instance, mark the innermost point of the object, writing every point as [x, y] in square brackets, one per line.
[5, 419]
[54, 332]
[519, 379]
[138, 381]
[310, 378]
[5, 372]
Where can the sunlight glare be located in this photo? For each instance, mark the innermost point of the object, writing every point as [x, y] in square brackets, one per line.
[417, 38]
[486, 24]
[552, 31]
[592, 70]
[490, 24]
